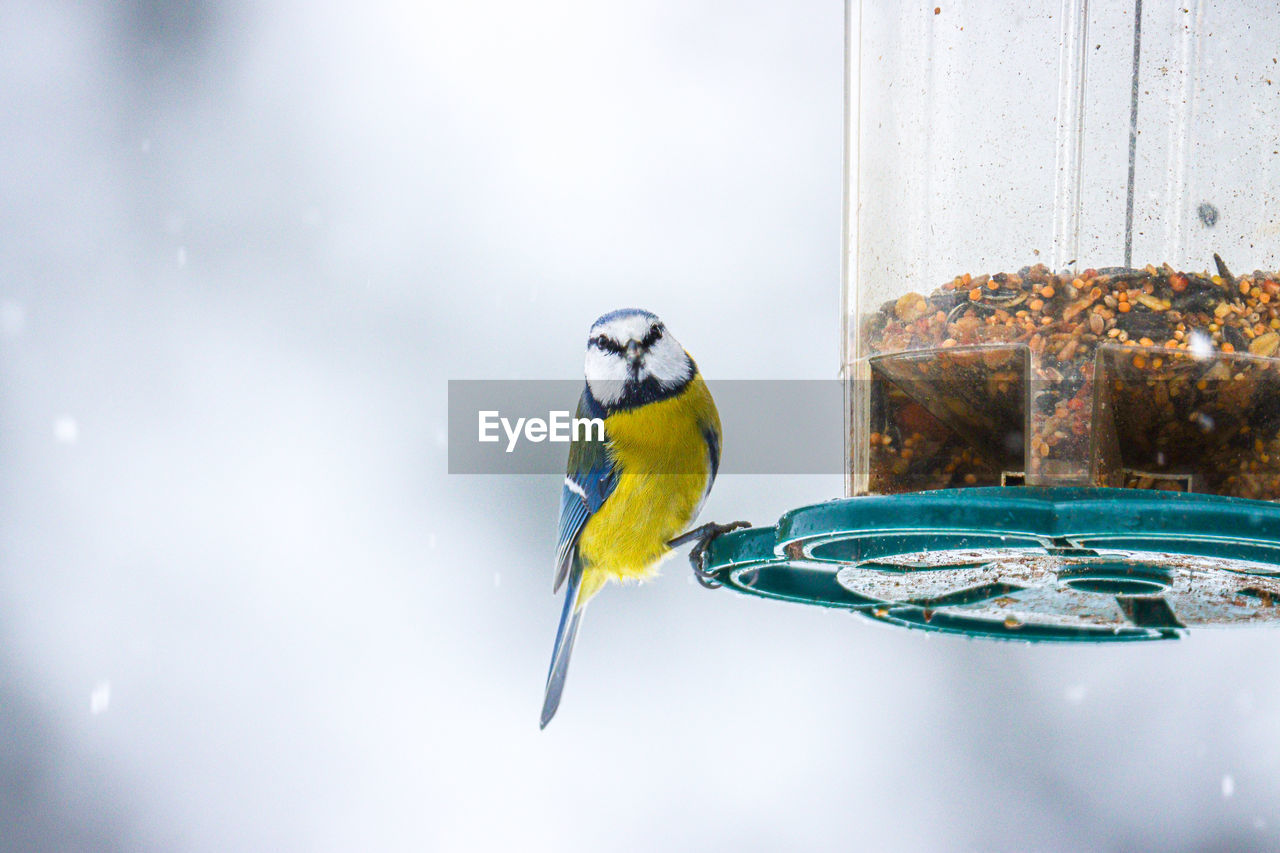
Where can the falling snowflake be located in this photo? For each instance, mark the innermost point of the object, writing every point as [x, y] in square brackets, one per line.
[65, 429]
[100, 698]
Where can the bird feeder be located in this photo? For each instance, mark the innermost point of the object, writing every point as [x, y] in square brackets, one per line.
[1061, 325]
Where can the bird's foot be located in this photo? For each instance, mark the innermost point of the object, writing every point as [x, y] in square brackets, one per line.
[704, 536]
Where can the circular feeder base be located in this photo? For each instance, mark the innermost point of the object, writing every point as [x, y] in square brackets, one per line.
[1065, 564]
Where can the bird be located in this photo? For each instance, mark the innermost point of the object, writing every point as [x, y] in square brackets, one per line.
[628, 493]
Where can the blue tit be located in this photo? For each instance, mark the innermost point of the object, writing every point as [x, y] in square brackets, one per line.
[626, 496]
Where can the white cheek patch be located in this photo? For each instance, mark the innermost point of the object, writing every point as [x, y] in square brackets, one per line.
[667, 362]
[606, 375]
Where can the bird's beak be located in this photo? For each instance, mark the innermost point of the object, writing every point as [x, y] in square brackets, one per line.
[633, 353]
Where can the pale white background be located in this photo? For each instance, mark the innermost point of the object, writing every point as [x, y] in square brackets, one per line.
[244, 607]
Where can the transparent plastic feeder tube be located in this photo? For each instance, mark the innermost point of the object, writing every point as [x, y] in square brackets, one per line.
[1062, 244]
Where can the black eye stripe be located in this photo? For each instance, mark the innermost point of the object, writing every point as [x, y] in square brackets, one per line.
[607, 344]
[651, 338]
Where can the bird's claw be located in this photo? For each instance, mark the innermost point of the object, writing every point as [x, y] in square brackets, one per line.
[704, 536]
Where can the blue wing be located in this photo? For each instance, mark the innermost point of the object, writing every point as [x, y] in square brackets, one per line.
[589, 481]
[711, 434]
[587, 485]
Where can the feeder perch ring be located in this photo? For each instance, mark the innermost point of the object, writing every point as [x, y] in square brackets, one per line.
[1021, 563]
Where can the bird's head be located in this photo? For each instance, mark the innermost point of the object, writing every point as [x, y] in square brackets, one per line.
[632, 359]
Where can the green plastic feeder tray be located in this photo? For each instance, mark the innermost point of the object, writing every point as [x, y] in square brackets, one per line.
[1022, 563]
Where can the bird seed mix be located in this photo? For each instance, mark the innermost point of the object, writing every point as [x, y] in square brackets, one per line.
[1143, 378]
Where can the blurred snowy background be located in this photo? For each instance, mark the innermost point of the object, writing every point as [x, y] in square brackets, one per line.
[242, 605]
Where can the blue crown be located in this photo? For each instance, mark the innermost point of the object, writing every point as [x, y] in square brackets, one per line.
[624, 312]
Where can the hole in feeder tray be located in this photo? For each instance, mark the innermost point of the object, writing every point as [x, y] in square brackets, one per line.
[1130, 575]
[1111, 585]
[1268, 597]
[1163, 482]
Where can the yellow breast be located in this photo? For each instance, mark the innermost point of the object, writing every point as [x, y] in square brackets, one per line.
[663, 462]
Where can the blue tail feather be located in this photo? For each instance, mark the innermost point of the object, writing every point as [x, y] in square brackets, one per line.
[570, 618]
